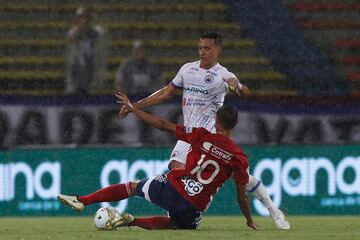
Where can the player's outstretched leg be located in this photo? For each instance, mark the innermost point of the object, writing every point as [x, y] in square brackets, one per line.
[71, 201]
[111, 193]
[257, 189]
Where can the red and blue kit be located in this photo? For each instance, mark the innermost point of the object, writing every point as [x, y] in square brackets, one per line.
[213, 158]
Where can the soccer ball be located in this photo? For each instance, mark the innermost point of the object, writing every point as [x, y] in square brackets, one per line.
[104, 215]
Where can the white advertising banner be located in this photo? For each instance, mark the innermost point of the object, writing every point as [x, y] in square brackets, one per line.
[100, 124]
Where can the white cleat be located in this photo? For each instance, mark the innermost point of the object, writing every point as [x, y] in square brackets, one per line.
[124, 220]
[72, 202]
[280, 221]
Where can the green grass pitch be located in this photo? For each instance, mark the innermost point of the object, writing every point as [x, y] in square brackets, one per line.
[219, 228]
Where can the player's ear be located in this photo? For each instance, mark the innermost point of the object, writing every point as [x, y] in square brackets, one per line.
[217, 123]
[219, 50]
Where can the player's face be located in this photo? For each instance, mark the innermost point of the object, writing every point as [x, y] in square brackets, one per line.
[138, 54]
[208, 52]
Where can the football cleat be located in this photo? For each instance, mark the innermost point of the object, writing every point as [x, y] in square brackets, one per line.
[72, 202]
[124, 220]
[280, 221]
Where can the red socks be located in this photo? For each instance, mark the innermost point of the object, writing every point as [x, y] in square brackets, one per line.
[111, 193]
[152, 223]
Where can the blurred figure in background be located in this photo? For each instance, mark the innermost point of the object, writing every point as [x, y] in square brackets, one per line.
[137, 75]
[86, 54]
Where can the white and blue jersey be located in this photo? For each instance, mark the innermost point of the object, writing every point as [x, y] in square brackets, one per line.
[204, 92]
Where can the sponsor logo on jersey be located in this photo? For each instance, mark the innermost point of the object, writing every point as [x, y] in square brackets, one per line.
[208, 79]
[195, 102]
[184, 101]
[216, 151]
[161, 178]
[197, 90]
[194, 69]
[192, 187]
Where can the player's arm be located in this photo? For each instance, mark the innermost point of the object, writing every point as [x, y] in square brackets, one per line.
[157, 97]
[243, 91]
[158, 122]
[243, 200]
[238, 88]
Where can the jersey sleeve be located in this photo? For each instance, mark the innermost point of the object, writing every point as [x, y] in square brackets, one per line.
[178, 81]
[241, 175]
[189, 134]
[230, 75]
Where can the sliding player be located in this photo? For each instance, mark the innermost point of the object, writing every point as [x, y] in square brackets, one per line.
[187, 191]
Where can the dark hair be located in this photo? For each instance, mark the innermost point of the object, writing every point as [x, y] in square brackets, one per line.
[227, 116]
[213, 35]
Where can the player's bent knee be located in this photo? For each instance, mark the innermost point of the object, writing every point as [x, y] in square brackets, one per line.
[175, 164]
[133, 186]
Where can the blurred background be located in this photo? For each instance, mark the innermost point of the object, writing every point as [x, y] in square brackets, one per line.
[62, 61]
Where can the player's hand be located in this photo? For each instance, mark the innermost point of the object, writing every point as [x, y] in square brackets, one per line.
[123, 99]
[124, 111]
[253, 225]
[233, 83]
[127, 105]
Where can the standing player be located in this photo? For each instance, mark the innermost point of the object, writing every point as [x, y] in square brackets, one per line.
[187, 191]
[204, 84]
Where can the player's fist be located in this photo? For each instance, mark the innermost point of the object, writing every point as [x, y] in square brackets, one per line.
[233, 84]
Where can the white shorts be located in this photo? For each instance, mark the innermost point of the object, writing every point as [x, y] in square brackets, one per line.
[180, 152]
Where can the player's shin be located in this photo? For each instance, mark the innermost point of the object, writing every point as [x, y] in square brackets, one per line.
[111, 193]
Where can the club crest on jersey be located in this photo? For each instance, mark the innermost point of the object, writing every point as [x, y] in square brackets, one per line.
[209, 79]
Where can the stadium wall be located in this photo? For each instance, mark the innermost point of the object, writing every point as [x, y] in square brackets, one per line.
[302, 180]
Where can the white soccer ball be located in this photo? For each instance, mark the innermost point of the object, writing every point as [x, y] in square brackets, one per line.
[104, 215]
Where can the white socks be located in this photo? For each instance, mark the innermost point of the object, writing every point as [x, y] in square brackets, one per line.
[257, 189]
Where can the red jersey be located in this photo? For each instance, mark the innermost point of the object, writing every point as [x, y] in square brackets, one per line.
[212, 160]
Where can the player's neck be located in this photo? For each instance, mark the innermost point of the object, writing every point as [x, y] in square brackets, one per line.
[208, 66]
[225, 133]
